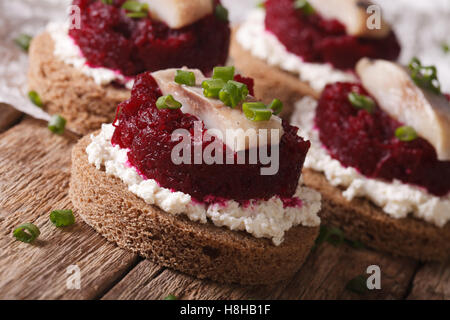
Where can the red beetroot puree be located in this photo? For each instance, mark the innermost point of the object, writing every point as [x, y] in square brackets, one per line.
[108, 38]
[320, 40]
[147, 131]
[367, 142]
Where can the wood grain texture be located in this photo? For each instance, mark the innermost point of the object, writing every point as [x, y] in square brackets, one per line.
[34, 178]
[432, 281]
[324, 276]
[8, 116]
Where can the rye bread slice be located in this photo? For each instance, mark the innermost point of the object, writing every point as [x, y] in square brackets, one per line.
[174, 241]
[66, 91]
[270, 81]
[363, 221]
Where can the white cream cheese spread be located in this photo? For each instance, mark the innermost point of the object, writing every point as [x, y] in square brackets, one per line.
[268, 219]
[67, 51]
[253, 36]
[397, 199]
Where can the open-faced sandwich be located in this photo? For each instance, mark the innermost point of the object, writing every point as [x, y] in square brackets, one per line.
[198, 176]
[293, 48]
[380, 156]
[84, 69]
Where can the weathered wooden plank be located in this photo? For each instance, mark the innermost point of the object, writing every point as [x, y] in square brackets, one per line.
[432, 282]
[324, 276]
[327, 272]
[34, 180]
[8, 116]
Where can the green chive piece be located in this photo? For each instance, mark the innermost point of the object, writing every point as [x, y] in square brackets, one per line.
[62, 218]
[305, 6]
[424, 76]
[107, 2]
[57, 124]
[332, 235]
[212, 87]
[23, 41]
[34, 97]
[185, 77]
[256, 111]
[223, 73]
[261, 4]
[171, 297]
[335, 236]
[221, 12]
[445, 47]
[230, 95]
[242, 87]
[276, 106]
[355, 244]
[406, 133]
[26, 232]
[167, 102]
[360, 101]
[358, 284]
[137, 15]
[135, 6]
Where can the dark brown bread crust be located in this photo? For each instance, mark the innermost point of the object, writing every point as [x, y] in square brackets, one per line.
[201, 250]
[66, 91]
[363, 221]
[270, 81]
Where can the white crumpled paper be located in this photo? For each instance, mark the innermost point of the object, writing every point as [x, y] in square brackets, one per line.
[420, 27]
[31, 17]
[17, 17]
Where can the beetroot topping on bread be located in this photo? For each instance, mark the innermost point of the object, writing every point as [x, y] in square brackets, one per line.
[367, 141]
[146, 132]
[205, 148]
[116, 37]
[305, 32]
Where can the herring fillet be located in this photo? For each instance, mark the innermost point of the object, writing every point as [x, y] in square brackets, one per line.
[428, 113]
[215, 115]
[353, 15]
[179, 13]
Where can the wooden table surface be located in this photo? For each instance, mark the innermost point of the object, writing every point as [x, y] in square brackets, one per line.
[34, 180]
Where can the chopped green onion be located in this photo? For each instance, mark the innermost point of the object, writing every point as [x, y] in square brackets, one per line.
[23, 41]
[26, 232]
[230, 95]
[261, 4]
[355, 244]
[62, 218]
[34, 97]
[107, 1]
[305, 6]
[185, 77]
[360, 101]
[223, 73]
[57, 124]
[242, 87]
[171, 297]
[212, 87]
[137, 15]
[358, 284]
[335, 236]
[167, 102]
[424, 76]
[276, 106]
[445, 47]
[221, 12]
[256, 111]
[332, 235]
[135, 6]
[136, 9]
[406, 133]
